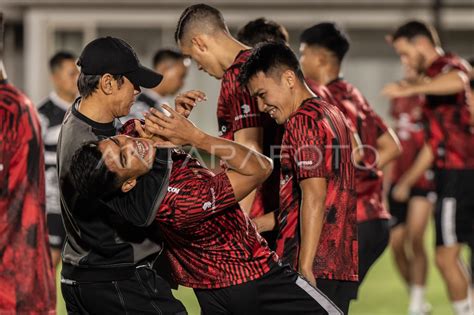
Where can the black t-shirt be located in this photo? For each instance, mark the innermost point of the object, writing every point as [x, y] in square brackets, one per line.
[105, 240]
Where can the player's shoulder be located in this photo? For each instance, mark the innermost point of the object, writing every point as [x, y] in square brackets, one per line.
[311, 109]
[446, 63]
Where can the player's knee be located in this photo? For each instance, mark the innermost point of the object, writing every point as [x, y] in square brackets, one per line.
[444, 260]
[417, 244]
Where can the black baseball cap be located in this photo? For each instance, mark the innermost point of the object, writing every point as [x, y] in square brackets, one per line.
[113, 55]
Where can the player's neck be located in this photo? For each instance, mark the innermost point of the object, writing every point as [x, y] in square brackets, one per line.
[329, 74]
[94, 109]
[302, 93]
[69, 98]
[231, 50]
[432, 55]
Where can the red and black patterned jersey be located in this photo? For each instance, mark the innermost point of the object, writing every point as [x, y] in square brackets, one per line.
[369, 126]
[209, 241]
[26, 272]
[321, 90]
[317, 143]
[236, 110]
[407, 113]
[448, 131]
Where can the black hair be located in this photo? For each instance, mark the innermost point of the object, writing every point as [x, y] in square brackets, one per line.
[88, 83]
[90, 175]
[327, 35]
[413, 29]
[165, 55]
[201, 13]
[262, 30]
[269, 57]
[56, 61]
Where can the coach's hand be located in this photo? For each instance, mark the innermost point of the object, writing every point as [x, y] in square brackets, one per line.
[158, 141]
[401, 192]
[174, 127]
[184, 103]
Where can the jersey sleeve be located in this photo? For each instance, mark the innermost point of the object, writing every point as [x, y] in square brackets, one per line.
[307, 139]
[198, 200]
[380, 124]
[243, 107]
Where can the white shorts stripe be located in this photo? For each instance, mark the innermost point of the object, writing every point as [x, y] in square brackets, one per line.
[319, 297]
[448, 221]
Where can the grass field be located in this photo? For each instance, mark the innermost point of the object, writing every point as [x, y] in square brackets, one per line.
[383, 292]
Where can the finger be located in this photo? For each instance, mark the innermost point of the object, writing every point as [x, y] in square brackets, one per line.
[170, 110]
[151, 121]
[139, 129]
[156, 115]
[185, 101]
[197, 95]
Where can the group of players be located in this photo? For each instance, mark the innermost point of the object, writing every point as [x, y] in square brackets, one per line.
[141, 216]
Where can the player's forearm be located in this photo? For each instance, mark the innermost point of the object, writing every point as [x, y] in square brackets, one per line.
[312, 218]
[444, 84]
[388, 148]
[238, 157]
[422, 163]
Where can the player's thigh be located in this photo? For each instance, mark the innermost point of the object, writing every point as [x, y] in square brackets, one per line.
[419, 214]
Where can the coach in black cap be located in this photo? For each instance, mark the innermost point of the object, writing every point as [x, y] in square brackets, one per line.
[108, 257]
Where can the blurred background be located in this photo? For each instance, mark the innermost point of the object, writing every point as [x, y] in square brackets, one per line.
[36, 29]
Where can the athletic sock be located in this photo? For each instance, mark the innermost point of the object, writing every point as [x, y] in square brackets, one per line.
[417, 298]
[463, 307]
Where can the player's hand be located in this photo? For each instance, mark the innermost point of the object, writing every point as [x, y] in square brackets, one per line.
[309, 276]
[398, 89]
[265, 222]
[401, 192]
[158, 141]
[185, 102]
[174, 127]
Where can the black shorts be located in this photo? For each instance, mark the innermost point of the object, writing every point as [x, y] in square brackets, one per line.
[281, 291]
[454, 211]
[399, 210]
[143, 293]
[56, 231]
[373, 238]
[340, 292]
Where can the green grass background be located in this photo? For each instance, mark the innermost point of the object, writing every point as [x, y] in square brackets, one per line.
[382, 293]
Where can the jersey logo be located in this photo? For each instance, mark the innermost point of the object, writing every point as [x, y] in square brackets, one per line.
[245, 109]
[173, 190]
[206, 205]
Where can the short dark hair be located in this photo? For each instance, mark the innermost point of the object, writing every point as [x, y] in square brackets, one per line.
[327, 35]
[90, 175]
[163, 55]
[201, 13]
[413, 29]
[88, 83]
[269, 57]
[262, 30]
[56, 61]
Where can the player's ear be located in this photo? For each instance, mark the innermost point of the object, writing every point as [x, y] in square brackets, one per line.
[128, 185]
[199, 43]
[289, 78]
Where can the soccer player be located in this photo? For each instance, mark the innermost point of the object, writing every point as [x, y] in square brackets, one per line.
[64, 75]
[450, 149]
[263, 30]
[410, 218]
[317, 214]
[174, 68]
[26, 272]
[108, 255]
[211, 243]
[202, 34]
[323, 47]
